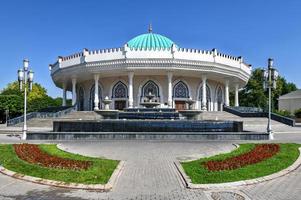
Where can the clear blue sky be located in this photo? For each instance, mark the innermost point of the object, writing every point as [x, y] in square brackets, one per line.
[42, 30]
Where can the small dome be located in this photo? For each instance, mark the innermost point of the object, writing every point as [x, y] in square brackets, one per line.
[150, 41]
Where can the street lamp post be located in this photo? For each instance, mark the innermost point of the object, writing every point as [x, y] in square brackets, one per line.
[6, 116]
[25, 75]
[270, 77]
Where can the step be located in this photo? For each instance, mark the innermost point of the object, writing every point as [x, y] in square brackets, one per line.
[149, 115]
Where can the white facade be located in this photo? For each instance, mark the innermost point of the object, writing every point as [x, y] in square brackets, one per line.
[290, 102]
[173, 74]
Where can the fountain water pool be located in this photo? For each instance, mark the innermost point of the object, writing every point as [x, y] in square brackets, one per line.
[149, 122]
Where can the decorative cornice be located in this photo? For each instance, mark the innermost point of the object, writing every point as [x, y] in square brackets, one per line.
[155, 64]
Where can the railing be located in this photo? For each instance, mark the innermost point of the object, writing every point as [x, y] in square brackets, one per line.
[245, 111]
[48, 114]
[258, 112]
[282, 119]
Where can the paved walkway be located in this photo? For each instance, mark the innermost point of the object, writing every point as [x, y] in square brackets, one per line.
[149, 172]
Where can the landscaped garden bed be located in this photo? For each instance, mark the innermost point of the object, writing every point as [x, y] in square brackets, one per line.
[259, 153]
[49, 162]
[249, 161]
[33, 154]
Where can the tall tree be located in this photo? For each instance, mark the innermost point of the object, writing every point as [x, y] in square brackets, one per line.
[253, 93]
[37, 98]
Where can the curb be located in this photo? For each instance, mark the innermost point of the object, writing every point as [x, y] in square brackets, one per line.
[188, 183]
[99, 187]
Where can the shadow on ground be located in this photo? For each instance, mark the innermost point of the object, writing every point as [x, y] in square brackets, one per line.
[42, 195]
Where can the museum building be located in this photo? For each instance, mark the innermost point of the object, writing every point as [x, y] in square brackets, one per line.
[150, 63]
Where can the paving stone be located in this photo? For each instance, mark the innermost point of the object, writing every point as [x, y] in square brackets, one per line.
[149, 172]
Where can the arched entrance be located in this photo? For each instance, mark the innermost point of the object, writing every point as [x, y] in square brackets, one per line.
[80, 99]
[150, 87]
[219, 99]
[180, 95]
[120, 95]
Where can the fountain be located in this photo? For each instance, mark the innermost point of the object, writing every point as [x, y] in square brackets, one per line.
[191, 114]
[107, 103]
[150, 103]
[107, 113]
[149, 122]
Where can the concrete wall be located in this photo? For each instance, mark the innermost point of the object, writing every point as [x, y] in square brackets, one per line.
[289, 104]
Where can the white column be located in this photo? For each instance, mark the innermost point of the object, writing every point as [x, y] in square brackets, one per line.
[73, 91]
[64, 94]
[211, 106]
[131, 99]
[169, 79]
[215, 106]
[236, 95]
[96, 99]
[227, 93]
[204, 94]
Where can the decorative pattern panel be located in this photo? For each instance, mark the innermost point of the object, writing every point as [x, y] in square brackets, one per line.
[119, 90]
[181, 90]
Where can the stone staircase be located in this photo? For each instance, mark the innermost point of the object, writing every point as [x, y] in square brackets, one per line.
[81, 115]
[47, 122]
[250, 123]
[258, 124]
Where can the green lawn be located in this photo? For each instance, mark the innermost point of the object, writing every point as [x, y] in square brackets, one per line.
[99, 173]
[200, 175]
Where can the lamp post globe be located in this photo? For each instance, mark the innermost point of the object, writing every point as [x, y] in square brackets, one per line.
[25, 64]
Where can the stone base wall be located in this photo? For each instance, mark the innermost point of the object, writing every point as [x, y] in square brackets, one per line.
[149, 136]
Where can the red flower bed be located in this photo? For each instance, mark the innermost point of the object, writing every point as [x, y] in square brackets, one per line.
[33, 154]
[256, 155]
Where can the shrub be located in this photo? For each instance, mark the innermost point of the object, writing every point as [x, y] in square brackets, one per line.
[284, 113]
[298, 113]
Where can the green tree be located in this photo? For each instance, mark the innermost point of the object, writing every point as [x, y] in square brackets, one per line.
[253, 93]
[12, 103]
[37, 98]
[37, 91]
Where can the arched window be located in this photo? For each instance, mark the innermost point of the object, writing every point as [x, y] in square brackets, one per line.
[150, 87]
[119, 90]
[80, 99]
[180, 90]
[219, 99]
[219, 96]
[92, 95]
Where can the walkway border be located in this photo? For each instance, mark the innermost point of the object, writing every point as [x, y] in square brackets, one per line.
[188, 183]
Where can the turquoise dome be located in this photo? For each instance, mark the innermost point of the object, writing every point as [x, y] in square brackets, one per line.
[150, 41]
